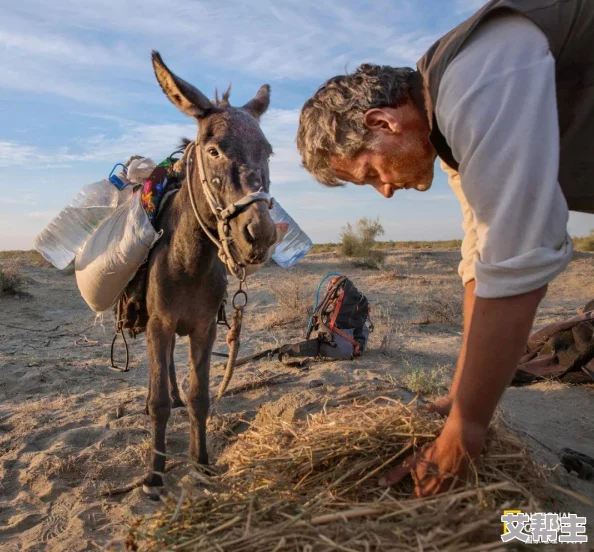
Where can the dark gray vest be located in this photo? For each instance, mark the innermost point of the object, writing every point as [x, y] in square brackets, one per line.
[569, 27]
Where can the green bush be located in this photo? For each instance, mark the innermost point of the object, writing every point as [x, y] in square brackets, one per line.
[358, 242]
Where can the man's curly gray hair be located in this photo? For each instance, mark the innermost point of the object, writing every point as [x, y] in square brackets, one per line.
[332, 120]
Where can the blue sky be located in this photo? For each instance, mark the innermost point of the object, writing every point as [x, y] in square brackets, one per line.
[77, 95]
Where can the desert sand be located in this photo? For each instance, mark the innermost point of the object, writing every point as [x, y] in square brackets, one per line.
[71, 429]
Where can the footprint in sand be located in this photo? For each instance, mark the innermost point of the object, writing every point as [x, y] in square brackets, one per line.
[55, 524]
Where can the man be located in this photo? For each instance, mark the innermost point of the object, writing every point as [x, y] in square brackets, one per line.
[506, 100]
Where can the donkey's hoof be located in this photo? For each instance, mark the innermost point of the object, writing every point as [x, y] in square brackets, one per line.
[176, 402]
[154, 492]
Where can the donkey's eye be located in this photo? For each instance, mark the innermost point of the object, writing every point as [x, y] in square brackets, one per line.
[213, 152]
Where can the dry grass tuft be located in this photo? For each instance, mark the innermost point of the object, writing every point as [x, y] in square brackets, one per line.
[55, 465]
[372, 260]
[11, 280]
[444, 306]
[584, 243]
[313, 486]
[394, 275]
[388, 333]
[427, 382]
[26, 258]
[294, 303]
[325, 248]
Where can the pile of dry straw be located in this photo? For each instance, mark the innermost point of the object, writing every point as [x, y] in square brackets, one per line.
[312, 486]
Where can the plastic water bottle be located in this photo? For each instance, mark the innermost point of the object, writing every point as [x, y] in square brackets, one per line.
[63, 237]
[295, 244]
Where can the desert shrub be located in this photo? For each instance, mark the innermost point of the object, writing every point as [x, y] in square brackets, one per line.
[584, 243]
[358, 242]
[11, 280]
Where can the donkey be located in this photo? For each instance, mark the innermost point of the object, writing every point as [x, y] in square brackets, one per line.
[186, 280]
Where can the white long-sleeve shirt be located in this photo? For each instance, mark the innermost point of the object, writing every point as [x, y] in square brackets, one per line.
[498, 112]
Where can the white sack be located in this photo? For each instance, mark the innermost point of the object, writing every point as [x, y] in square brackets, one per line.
[113, 254]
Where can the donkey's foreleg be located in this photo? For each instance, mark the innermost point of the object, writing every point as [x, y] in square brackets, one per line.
[159, 340]
[201, 343]
[176, 399]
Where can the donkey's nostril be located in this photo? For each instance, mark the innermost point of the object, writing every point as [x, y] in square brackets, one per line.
[250, 232]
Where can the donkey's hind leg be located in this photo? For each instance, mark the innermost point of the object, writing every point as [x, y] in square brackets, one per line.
[159, 339]
[176, 400]
[201, 342]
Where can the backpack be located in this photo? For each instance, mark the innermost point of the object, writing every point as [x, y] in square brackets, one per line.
[340, 319]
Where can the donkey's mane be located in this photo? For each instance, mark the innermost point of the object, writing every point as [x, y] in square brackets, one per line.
[184, 143]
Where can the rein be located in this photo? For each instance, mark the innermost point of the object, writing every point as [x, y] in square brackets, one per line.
[223, 243]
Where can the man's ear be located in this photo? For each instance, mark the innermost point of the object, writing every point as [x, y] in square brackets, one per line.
[383, 119]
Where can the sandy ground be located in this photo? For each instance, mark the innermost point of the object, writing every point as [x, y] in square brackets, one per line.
[71, 429]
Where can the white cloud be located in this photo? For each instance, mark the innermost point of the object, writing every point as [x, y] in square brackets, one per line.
[65, 50]
[46, 81]
[82, 44]
[24, 199]
[463, 6]
[158, 141]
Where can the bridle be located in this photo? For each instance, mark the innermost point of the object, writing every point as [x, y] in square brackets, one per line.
[223, 215]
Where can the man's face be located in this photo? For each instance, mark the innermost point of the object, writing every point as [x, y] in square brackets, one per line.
[399, 155]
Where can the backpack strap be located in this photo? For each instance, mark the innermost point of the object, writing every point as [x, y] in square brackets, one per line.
[357, 347]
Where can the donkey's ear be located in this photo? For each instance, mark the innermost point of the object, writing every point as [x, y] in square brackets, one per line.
[185, 97]
[258, 105]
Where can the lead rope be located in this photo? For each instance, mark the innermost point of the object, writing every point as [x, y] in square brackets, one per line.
[233, 338]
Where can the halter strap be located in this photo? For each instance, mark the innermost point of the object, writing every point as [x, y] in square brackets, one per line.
[222, 215]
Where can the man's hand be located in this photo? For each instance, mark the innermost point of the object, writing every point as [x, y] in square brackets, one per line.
[495, 336]
[441, 464]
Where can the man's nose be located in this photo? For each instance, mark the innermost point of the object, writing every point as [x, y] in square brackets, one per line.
[385, 189]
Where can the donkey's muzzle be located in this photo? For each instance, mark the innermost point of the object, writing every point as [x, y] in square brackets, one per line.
[259, 233]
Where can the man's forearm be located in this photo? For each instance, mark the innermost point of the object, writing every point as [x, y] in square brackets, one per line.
[495, 339]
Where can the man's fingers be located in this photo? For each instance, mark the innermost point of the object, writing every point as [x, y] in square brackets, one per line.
[397, 474]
